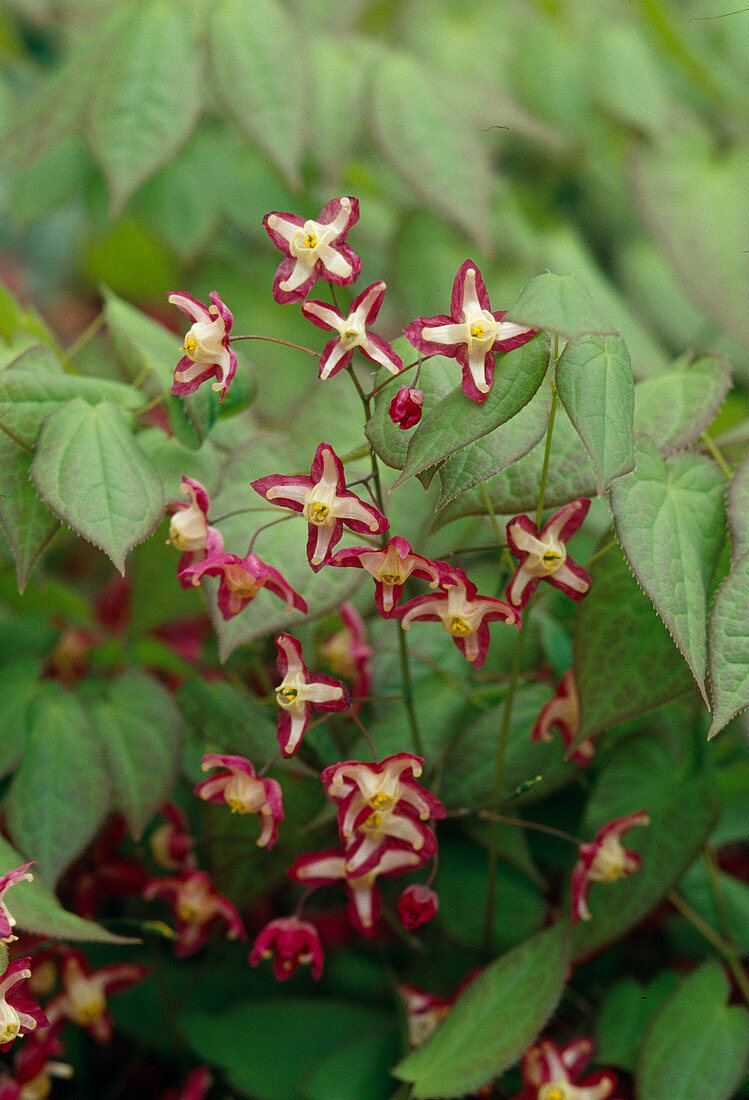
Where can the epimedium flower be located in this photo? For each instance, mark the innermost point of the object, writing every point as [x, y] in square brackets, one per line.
[207, 350]
[171, 843]
[314, 249]
[348, 653]
[380, 806]
[244, 793]
[390, 568]
[472, 334]
[330, 866]
[83, 997]
[290, 942]
[324, 501]
[18, 1013]
[189, 530]
[299, 693]
[198, 909]
[424, 1012]
[463, 613]
[241, 580]
[543, 554]
[352, 333]
[33, 1066]
[562, 712]
[417, 905]
[604, 859]
[7, 921]
[405, 408]
[553, 1073]
[103, 872]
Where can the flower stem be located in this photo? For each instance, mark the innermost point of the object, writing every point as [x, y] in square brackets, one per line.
[715, 452]
[733, 956]
[273, 522]
[549, 430]
[273, 340]
[88, 333]
[503, 819]
[367, 736]
[726, 950]
[488, 504]
[408, 697]
[599, 553]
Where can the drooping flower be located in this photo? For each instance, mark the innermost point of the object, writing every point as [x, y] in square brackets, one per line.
[83, 997]
[553, 1073]
[605, 859]
[198, 908]
[189, 530]
[207, 350]
[381, 806]
[299, 693]
[562, 712]
[33, 1066]
[18, 1013]
[171, 843]
[352, 333]
[463, 613]
[390, 567]
[328, 867]
[472, 334]
[405, 408]
[289, 941]
[244, 793]
[348, 653]
[325, 503]
[424, 1012]
[543, 554]
[417, 905]
[241, 580]
[7, 922]
[313, 249]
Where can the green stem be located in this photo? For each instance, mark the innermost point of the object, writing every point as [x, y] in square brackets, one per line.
[273, 340]
[599, 553]
[88, 333]
[408, 697]
[715, 452]
[733, 955]
[726, 950]
[503, 819]
[547, 451]
[492, 517]
[670, 37]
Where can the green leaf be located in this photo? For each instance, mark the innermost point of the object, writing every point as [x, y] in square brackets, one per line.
[670, 522]
[259, 65]
[339, 77]
[697, 887]
[38, 911]
[624, 1015]
[457, 420]
[94, 476]
[559, 304]
[698, 237]
[728, 646]
[19, 679]
[60, 794]
[33, 386]
[594, 380]
[673, 408]
[657, 773]
[738, 508]
[436, 381]
[696, 1046]
[260, 1064]
[493, 1021]
[629, 81]
[493, 452]
[625, 661]
[28, 522]
[141, 737]
[410, 105]
[357, 1070]
[149, 103]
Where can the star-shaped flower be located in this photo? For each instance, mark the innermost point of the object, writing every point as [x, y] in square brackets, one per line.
[605, 859]
[289, 941]
[244, 793]
[299, 693]
[352, 333]
[390, 567]
[325, 503]
[33, 1066]
[18, 1013]
[314, 249]
[7, 922]
[563, 713]
[471, 334]
[189, 530]
[552, 1073]
[463, 613]
[543, 554]
[198, 908]
[207, 351]
[241, 580]
[83, 998]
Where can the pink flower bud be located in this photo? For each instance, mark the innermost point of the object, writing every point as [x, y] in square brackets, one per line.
[405, 408]
[417, 905]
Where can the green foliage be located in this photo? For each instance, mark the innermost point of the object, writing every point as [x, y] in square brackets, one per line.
[493, 1020]
[559, 304]
[695, 1045]
[28, 522]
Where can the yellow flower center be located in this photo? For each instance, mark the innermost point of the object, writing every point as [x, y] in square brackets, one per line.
[478, 330]
[12, 1028]
[241, 583]
[373, 821]
[380, 801]
[190, 344]
[553, 559]
[286, 695]
[88, 1011]
[458, 627]
[189, 913]
[308, 239]
[317, 513]
[553, 1091]
[390, 578]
